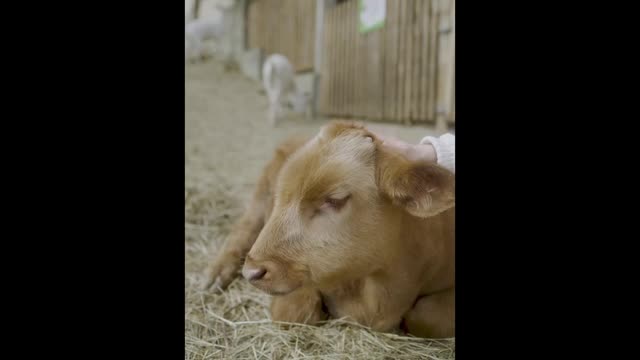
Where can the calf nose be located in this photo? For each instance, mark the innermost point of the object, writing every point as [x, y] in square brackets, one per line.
[253, 273]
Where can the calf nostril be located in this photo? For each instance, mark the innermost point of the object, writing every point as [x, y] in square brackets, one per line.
[254, 274]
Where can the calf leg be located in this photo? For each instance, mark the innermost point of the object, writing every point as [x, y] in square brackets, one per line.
[224, 268]
[432, 316]
[274, 93]
[302, 306]
[276, 107]
[273, 114]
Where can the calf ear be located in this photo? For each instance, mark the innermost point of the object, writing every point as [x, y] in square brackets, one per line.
[422, 189]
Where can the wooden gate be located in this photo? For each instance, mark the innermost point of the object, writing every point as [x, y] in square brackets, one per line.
[283, 26]
[403, 72]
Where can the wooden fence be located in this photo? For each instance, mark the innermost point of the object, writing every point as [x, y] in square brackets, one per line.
[403, 72]
[283, 26]
[446, 89]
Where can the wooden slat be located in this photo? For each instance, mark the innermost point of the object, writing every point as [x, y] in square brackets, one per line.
[251, 30]
[407, 57]
[279, 25]
[310, 26]
[346, 22]
[364, 97]
[351, 54]
[424, 59]
[415, 78]
[451, 118]
[312, 48]
[306, 31]
[375, 75]
[269, 29]
[297, 44]
[266, 26]
[359, 59]
[391, 55]
[341, 57]
[334, 60]
[401, 66]
[261, 36]
[337, 66]
[286, 30]
[433, 48]
[327, 61]
[445, 75]
[294, 44]
[386, 62]
[290, 31]
[364, 63]
[326, 73]
[299, 32]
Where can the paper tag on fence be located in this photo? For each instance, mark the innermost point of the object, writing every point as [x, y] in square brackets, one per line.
[372, 14]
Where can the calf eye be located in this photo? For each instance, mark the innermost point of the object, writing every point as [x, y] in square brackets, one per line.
[335, 203]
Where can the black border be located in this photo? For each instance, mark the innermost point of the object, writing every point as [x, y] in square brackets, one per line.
[98, 144]
[540, 174]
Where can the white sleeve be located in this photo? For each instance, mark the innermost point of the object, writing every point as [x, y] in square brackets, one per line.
[445, 147]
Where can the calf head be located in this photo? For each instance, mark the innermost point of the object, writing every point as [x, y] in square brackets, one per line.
[334, 198]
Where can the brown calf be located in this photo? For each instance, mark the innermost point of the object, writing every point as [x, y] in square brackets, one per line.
[342, 221]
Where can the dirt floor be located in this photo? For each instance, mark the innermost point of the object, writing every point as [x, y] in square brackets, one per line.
[228, 141]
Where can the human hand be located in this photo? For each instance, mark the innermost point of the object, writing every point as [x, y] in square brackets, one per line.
[413, 153]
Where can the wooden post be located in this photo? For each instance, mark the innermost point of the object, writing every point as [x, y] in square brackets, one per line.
[317, 54]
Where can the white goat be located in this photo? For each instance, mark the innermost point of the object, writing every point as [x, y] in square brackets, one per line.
[198, 30]
[280, 86]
